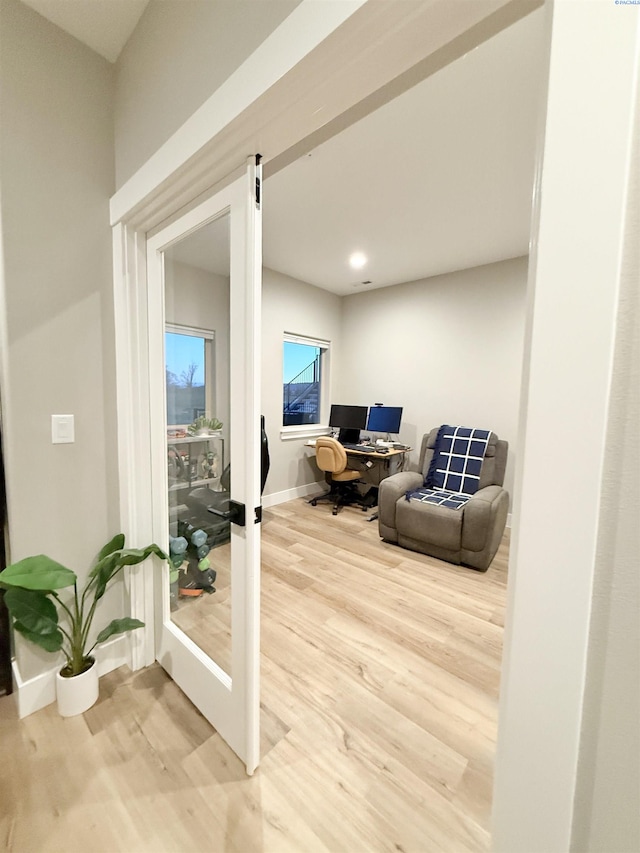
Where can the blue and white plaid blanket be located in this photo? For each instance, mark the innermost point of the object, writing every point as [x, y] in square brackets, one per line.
[450, 500]
[454, 472]
[457, 459]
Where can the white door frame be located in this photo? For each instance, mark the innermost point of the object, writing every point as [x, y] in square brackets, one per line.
[337, 90]
[134, 424]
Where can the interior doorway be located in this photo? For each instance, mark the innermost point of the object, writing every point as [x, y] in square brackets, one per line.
[313, 187]
[274, 466]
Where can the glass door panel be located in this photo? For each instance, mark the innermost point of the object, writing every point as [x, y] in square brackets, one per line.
[196, 295]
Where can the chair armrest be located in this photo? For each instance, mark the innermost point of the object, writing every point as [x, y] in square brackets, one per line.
[390, 490]
[481, 513]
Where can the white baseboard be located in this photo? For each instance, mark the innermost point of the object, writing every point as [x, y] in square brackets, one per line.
[290, 494]
[38, 692]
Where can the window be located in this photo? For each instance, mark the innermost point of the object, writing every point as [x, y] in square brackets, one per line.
[304, 364]
[189, 374]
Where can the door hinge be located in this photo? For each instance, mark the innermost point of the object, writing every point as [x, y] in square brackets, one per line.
[258, 512]
[258, 181]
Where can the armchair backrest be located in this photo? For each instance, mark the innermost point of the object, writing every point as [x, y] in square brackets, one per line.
[493, 467]
[330, 455]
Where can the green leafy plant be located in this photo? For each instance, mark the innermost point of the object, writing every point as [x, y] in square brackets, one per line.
[204, 423]
[35, 604]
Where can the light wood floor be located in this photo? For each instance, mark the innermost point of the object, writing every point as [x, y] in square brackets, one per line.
[380, 672]
[206, 619]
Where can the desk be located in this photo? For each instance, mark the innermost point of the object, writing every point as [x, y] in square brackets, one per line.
[374, 467]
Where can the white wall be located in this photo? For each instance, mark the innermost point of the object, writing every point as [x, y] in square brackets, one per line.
[179, 54]
[448, 349]
[607, 808]
[56, 176]
[292, 306]
[564, 554]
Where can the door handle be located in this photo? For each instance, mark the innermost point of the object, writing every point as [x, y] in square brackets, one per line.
[236, 513]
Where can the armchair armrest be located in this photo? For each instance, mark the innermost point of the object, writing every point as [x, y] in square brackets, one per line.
[390, 490]
[482, 512]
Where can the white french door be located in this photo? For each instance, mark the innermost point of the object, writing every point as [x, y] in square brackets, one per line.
[204, 276]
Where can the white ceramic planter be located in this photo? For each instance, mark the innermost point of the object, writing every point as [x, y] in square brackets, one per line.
[78, 693]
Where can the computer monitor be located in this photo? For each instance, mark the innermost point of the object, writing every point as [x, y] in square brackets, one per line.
[349, 420]
[384, 419]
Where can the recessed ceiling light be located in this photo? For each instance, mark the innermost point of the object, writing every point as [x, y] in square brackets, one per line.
[357, 260]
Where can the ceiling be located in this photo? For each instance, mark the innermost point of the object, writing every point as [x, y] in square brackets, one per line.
[437, 180]
[103, 25]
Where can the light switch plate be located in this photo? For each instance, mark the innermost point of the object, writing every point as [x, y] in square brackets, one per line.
[62, 429]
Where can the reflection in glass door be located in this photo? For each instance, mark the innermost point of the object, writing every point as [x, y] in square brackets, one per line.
[196, 293]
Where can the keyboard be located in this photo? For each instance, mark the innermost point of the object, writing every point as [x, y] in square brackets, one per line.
[364, 448]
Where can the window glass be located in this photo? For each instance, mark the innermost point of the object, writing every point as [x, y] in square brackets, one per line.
[186, 379]
[302, 375]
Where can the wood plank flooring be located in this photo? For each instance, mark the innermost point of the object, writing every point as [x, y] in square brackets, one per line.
[206, 619]
[380, 672]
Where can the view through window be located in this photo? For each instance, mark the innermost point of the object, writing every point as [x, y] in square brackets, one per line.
[186, 377]
[302, 380]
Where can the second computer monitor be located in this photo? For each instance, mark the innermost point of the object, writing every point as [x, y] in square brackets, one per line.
[384, 419]
[349, 420]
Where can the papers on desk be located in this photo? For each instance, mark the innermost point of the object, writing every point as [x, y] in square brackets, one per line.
[381, 447]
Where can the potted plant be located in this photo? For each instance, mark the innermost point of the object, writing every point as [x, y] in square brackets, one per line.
[33, 599]
[205, 426]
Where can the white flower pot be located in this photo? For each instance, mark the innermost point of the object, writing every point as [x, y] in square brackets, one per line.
[78, 693]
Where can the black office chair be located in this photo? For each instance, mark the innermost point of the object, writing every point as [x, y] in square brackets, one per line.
[265, 462]
[331, 458]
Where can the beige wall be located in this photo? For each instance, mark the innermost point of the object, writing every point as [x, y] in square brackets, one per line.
[56, 176]
[292, 306]
[288, 305]
[197, 298]
[471, 322]
[448, 349]
[179, 54]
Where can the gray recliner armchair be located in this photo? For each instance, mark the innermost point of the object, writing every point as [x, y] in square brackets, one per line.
[470, 535]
